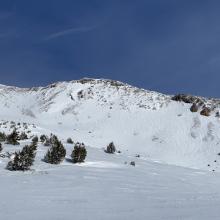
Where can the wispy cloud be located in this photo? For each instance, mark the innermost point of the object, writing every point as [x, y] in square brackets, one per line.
[70, 31]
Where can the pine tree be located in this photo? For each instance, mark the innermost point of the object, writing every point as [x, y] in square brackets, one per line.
[53, 139]
[43, 138]
[69, 141]
[2, 136]
[79, 153]
[56, 153]
[35, 139]
[1, 148]
[13, 138]
[110, 148]
[23, 136]
[47, 142]
[24, 159]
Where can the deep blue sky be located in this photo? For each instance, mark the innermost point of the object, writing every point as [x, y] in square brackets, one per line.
[166, 45]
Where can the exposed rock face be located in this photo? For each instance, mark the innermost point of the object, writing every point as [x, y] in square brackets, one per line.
[186, 98]
[207, 105]
[205, 111]
[194, 108]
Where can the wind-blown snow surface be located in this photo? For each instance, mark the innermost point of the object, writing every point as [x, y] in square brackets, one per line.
[107, 187]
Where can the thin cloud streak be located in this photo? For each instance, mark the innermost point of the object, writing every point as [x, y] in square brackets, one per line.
[70, 31]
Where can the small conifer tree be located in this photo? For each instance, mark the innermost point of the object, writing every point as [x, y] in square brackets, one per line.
[13, 138]
[47, 142]
[35, 139]
[79, 153]
[69, 140]
[53, 139]
[56, 153]
[110, 148]
[43, 138]
[23, 136]
[2, 136]
[23, 159]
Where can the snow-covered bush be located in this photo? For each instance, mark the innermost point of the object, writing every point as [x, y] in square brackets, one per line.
[43, 138]
[132, 163]
[79, 153]
[23, 136]
[69, 140]
[35, 139]
[23, 159]
[2, 136]
[53, 139]
[13, 138]
[47, 142]
[56, 153]
[110, 148]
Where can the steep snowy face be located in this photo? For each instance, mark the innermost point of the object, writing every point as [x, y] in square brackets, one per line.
[96, 111]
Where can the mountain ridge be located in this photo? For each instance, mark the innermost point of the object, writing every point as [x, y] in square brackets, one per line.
[96, 111]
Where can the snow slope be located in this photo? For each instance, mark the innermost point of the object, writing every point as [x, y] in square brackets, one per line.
[138, 121]
[170, 139]
[105, 188]
[97, 111]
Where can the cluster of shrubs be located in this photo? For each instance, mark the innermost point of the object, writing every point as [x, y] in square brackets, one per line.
[13, 138]
[56, 153]
[24, 159]
[48, 141]
[23, 136]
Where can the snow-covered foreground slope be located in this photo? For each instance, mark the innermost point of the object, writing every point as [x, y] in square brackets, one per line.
[105, 188]
[138, 121]
[165, 133]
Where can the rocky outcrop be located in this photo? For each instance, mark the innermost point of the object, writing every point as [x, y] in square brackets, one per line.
[194, 108]
[186, 98]
[207, 105]
[205, 111]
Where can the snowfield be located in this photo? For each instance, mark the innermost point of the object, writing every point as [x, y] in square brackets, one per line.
[107, 188]
[176, 176]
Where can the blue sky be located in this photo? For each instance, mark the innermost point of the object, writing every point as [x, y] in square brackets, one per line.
[170, 46]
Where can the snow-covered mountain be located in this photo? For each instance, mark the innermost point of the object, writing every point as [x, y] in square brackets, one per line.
[97, 111]
[147, 127]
